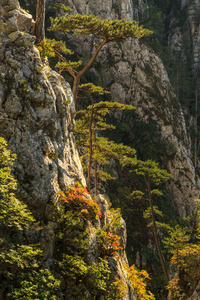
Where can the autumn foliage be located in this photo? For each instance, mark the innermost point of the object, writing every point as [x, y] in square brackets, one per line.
[108, 243]
[138, 280]
[76, 199]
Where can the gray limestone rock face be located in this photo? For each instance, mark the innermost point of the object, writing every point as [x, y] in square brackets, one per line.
[100, 199]
[35, 115]
[117, 264]
[184, 28]
[135, 75]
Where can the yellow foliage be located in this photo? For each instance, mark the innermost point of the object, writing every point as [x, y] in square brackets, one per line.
[187, 261]
[174, 287]
[138, 281]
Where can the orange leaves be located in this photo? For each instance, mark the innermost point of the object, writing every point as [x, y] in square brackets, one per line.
[108, 243]
[85, 191]
[99, 214]
[77, 200]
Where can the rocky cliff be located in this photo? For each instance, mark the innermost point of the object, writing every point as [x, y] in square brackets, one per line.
[35, 116]
[36, 106]
[182, 23]
[135, 75]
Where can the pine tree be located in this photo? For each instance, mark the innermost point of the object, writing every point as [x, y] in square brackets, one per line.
[153, 176]
[103, 31]
[98, 149]
[185, 260]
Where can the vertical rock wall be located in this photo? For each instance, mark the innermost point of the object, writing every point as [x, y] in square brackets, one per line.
[35, 114]
[135, 75]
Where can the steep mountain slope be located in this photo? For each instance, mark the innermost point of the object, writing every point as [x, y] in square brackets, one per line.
[35, 118]
[36, 106]
[182, 22]
[135, 75]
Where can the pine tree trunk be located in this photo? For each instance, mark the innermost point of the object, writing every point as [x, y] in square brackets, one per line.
[156, 234]
[96, 178]
[90, 145]
[40, 21]
[75, 86]
[196, 119]
[95, 166]
[87, 66]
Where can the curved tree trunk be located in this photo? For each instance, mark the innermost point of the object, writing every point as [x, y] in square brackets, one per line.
[40, 21]
[87, 66]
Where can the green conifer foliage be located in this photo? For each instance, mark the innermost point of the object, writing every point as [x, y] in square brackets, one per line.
[21, 275]
[98, 149]
[103, 31]
[13, 213]
[153, 177]
[185, 260]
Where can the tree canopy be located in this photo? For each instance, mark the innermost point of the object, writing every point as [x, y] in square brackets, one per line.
[99, 149]
[103, 30]
[110, 30]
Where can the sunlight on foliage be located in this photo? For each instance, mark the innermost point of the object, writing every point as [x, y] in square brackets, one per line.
[76, 199]
[138, 280]
[109, 244]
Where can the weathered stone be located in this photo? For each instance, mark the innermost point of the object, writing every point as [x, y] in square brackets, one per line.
[13, 105]
[135, 75]
[29, 40]
[93, 251]
[117, 268]
[48, 240]
[14, 35]
[11, 26]
[35, 118]
[11, 4]
[25, 21]
[100, 199]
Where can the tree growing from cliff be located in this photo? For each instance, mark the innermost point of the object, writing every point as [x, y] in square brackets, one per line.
[102, 32]
[153, 177]
[185, 260]
[97, 149]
